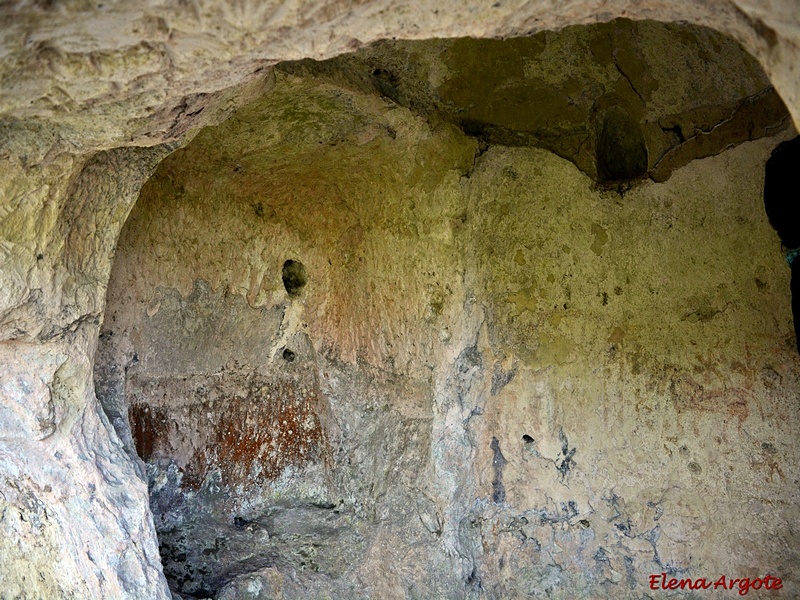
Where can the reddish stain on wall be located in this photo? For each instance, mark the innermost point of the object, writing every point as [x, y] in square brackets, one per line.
[247, 426]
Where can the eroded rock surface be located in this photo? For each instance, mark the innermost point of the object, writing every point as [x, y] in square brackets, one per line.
[412, 461]
[107, 73]
[621, 100]
[75, 521]
[512, 383]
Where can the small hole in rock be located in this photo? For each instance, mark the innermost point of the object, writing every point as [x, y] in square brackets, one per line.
[288, 355]
[386, 83]
[527, 439]
[621, 148]
[294, 277]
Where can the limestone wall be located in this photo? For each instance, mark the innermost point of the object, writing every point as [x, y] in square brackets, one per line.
[94, 95]
[499, 380]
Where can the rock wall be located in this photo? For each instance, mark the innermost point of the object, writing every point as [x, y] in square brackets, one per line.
[93, 97]
[497, 379]
[69, 494]
[117, 73]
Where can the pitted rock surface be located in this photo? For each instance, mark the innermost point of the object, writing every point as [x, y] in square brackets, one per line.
[518, 383]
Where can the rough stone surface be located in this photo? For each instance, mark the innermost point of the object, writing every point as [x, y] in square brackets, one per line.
[73, 513]
[621, 100]
[515, 384]
[114, 70]
[70, 494]
[407, 490]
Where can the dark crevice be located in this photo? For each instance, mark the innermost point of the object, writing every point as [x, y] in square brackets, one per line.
[755, 116]
[498, 464]
[625, 76]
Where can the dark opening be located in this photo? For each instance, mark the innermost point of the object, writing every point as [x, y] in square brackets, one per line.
[621, 148]
[294, 277]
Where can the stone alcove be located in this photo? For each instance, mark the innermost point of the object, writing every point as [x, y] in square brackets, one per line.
[95, 95]
[518, 365]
